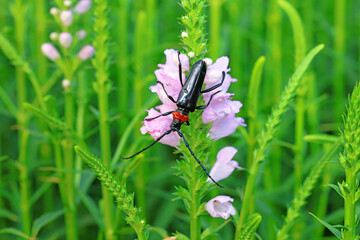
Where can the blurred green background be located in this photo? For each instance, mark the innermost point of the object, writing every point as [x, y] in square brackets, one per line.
[140, 31]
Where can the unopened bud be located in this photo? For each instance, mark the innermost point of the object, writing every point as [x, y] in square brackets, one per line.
[54, 36]
[191, 54]
[65, 39]
[208, 61]
[67, 3]
[54, 11]
[66, 17]
[86, 52]
[50, 51]
[82, 6]
[81, 34]
[184, 35]
[66, 83]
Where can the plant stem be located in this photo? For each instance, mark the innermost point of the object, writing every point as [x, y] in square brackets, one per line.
[101, 65]
[70, 204]
[22, 118]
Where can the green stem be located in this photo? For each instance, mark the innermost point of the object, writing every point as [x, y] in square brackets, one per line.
[101, 64]
[339, 64]
[215, 20]
[349, 211]
[70, 204]
[22, 118]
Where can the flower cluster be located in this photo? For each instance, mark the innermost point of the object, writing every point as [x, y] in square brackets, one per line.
[220, 112]
[66, 40]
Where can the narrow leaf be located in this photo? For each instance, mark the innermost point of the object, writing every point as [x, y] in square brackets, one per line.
[15, 232]
[44, 219]
[333, 229]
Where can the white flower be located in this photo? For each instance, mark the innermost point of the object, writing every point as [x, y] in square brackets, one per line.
[66, 83]
[54, 11]
[220, 206]
[65, 39]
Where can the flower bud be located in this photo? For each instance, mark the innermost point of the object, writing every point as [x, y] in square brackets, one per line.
[81, 34]
[184, 35]
[66, 83]
[82, 6]
[54, 36]
[50, 51]
[66, 17]
[54, 11]
[65, 39]
[86, 52]
[208, 61]
[67, 3]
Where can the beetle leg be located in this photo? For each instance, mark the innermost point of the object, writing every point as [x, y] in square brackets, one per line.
[164, 114]
[158, 139]
[192, 153]
[211, 97]
[216, 86]
[170, 97]
[180, 71]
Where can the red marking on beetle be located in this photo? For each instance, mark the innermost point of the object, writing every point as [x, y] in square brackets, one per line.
[181, 117]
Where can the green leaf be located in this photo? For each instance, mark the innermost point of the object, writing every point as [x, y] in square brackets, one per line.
[40, 191]
[52, 121]
[211, 231]
[9, 215]
[336, 188]
[321, 138]
[14, 231]
[250, 227]
[93, 209]
[44, 219]
[332, 228]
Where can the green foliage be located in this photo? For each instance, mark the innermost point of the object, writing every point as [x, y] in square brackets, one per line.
[123, 199]
[195, 40]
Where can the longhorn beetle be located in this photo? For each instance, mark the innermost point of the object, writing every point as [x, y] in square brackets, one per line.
[186, 103]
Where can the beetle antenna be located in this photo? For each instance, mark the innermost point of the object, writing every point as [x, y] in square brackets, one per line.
[158, 139]
[192, 153]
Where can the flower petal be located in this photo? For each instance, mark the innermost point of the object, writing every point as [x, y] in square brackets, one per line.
[225, 127]
[220, 206]
[224, 165]
[159, 126]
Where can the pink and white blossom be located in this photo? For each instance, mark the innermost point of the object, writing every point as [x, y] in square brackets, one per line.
[224, 164]
[220, 206]
[50, 51]
[158, 127]
[221, 110]
[65, 39]
[86, 52]
[66, 17]
[82, 6]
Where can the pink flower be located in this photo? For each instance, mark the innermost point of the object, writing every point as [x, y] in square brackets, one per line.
[158, 127]
[66, 17]
[50, 51]
[225, 127]
[82, 6]
[220, 206]
[224, 164]
[65, 39]
[221, 110]
[86, 52]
